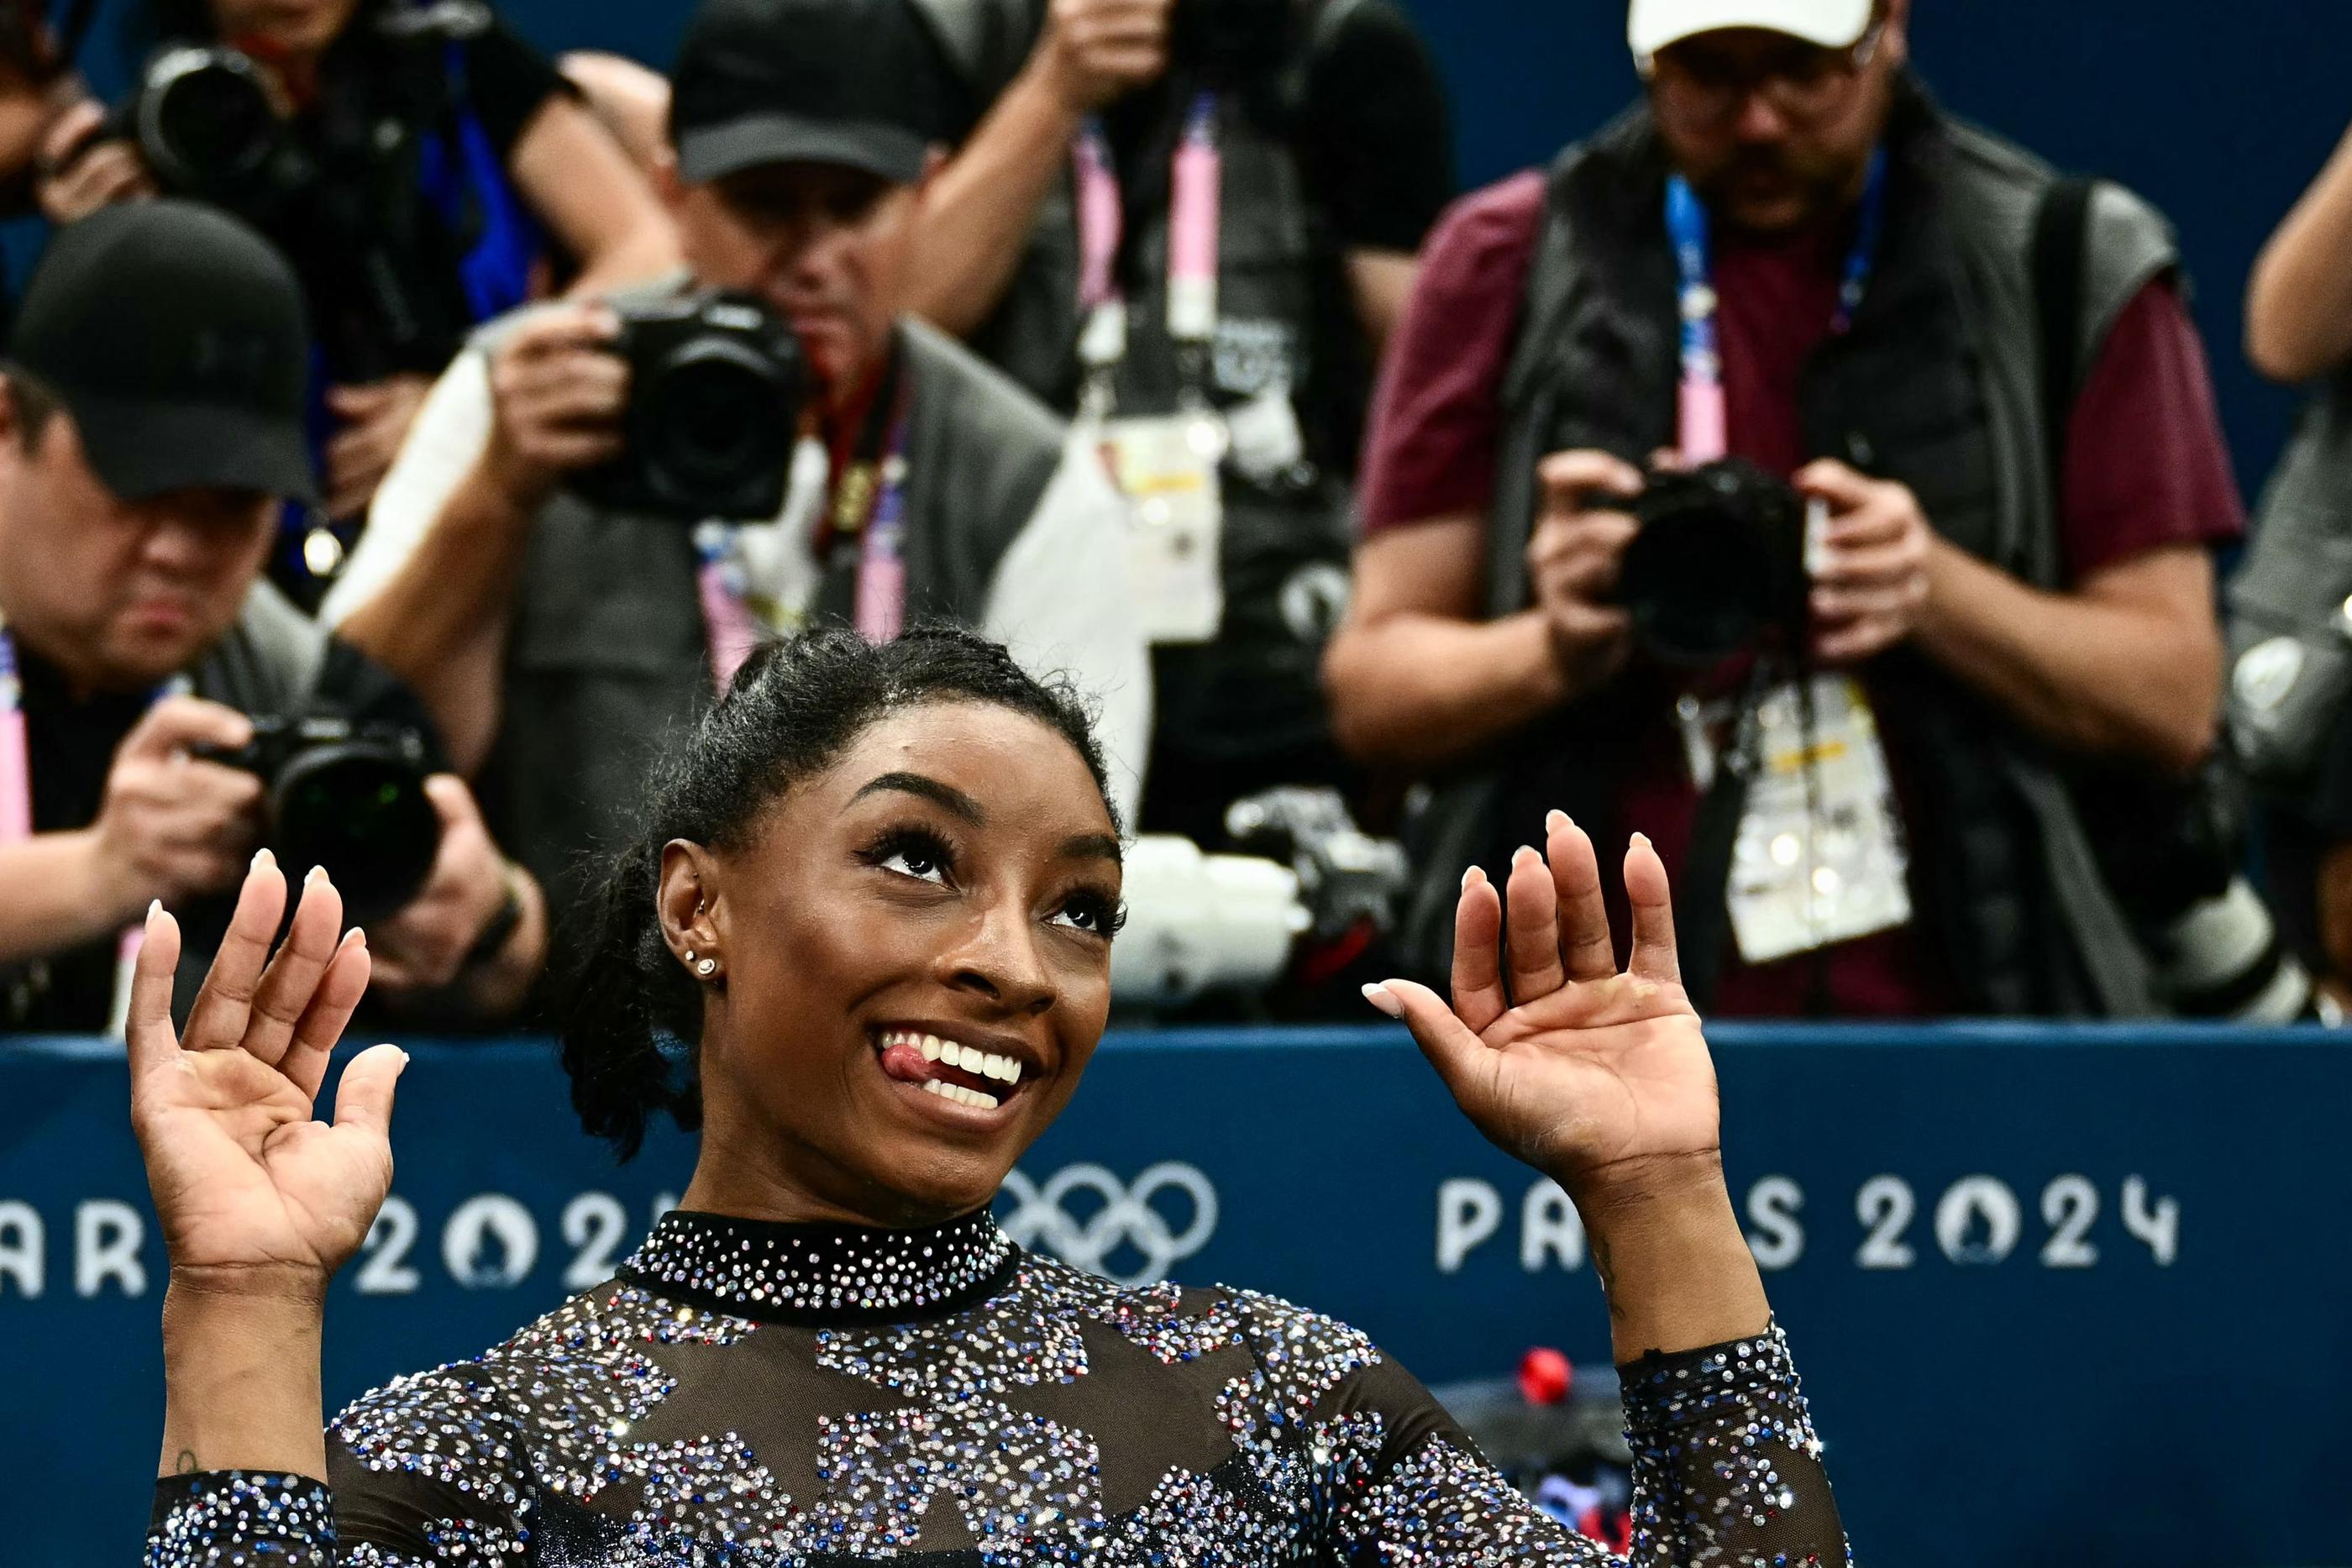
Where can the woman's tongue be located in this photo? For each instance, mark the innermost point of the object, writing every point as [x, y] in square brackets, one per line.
[907, 1064]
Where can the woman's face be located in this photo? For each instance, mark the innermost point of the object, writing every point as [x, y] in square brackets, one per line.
[287, 27]
[944, 894]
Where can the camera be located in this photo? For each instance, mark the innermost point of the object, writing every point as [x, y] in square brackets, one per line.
[716, 387]
[1346, 879]
[2170, 851]
[209, 123]
[348, 797]
[1718, 566]
[1305, 882]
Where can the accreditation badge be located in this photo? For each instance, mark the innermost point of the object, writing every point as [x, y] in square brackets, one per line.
[1167, 467]
[1820, 857]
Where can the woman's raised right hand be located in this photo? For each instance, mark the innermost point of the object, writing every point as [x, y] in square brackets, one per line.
[256, 1196]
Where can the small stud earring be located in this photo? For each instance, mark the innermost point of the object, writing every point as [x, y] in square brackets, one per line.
[707, 967]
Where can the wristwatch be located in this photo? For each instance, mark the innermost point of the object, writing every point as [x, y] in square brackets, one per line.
[501, 928]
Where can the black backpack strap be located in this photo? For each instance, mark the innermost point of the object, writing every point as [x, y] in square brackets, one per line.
[2061, 229]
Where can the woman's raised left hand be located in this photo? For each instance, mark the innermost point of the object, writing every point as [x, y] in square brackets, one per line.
[1597, 1077]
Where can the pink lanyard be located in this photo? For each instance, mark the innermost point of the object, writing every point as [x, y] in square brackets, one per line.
[721, 583]
[1195, 201]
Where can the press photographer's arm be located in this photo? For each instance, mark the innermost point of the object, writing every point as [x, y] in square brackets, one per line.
[2127, 663]
[1418, 678]
[456, 511]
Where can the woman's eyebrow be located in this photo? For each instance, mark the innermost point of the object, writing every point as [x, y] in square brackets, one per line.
[945, 796]
[1091, 846]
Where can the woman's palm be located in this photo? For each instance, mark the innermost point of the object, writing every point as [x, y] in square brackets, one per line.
[245, 1183]
[1554, 1054]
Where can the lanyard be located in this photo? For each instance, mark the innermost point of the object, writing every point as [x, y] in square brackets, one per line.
[16, 805]
[1704, 423]
[1195, 204]
[867, 503]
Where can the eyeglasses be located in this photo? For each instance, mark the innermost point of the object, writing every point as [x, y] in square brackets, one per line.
[1801, 82]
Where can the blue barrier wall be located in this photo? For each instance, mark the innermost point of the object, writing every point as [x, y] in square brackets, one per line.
[2059, 1298]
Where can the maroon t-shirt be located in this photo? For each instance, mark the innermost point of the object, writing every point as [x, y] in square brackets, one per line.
[2144, 469]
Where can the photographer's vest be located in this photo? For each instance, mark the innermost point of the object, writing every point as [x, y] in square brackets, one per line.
[1937, 385]
[1285, 317]
[607, 657]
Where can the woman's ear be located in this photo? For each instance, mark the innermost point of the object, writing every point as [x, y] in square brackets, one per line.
[686, 903]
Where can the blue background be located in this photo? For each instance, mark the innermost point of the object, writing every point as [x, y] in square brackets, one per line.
[2219, 113]
[1978, 1408]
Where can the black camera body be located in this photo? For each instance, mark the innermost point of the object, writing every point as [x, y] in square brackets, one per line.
[1718, 566]
[208, 124]
[716, 382]
[349, 796]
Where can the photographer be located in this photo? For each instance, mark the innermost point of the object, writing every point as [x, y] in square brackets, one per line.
[151, 419]
[416, 161]
[2291, 644]
[1194, 221]
[1882, 803]
[562, 630]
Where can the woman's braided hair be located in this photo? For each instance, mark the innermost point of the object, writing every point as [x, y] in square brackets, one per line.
[795, 706]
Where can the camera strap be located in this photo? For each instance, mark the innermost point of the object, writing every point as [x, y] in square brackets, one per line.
[1702, 912]
[869, 505]
[1195, 214]
[16, 805]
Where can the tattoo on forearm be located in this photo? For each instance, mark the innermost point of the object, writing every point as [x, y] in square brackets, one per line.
[185, 1464]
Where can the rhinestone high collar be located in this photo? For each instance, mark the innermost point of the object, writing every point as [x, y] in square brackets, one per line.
[812, 1273]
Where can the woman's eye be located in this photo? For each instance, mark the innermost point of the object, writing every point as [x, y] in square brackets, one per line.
[918, 863]
[1091, 914]
[920, 857]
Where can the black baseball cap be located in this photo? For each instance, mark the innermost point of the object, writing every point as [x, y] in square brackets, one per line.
[855, 82]
[178, 340]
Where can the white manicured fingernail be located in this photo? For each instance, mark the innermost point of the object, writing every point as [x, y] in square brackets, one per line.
[154, 907]
[1469, 875]
[262, 857]
[1557, 820]
[1384, 999]
[1643, 840]
[317, 874]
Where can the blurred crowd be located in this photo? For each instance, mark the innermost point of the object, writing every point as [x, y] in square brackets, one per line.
[403, 432]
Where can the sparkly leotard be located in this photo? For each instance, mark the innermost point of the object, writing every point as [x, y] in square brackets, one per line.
[756, 1396]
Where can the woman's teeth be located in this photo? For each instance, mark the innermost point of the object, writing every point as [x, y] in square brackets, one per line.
[960, 1094]
[986, 1063]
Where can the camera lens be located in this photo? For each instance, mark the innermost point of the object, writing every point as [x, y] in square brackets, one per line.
[1710, 610]
[360, 811]
[1719, 563]
[207, 123]
[711, 421]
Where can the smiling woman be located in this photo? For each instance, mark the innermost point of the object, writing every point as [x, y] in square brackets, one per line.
[863, 941]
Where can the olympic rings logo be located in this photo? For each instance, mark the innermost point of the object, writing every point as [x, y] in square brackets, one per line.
[1039, 1217]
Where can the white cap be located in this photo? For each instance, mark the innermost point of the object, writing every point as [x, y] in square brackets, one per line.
[1652, 25]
